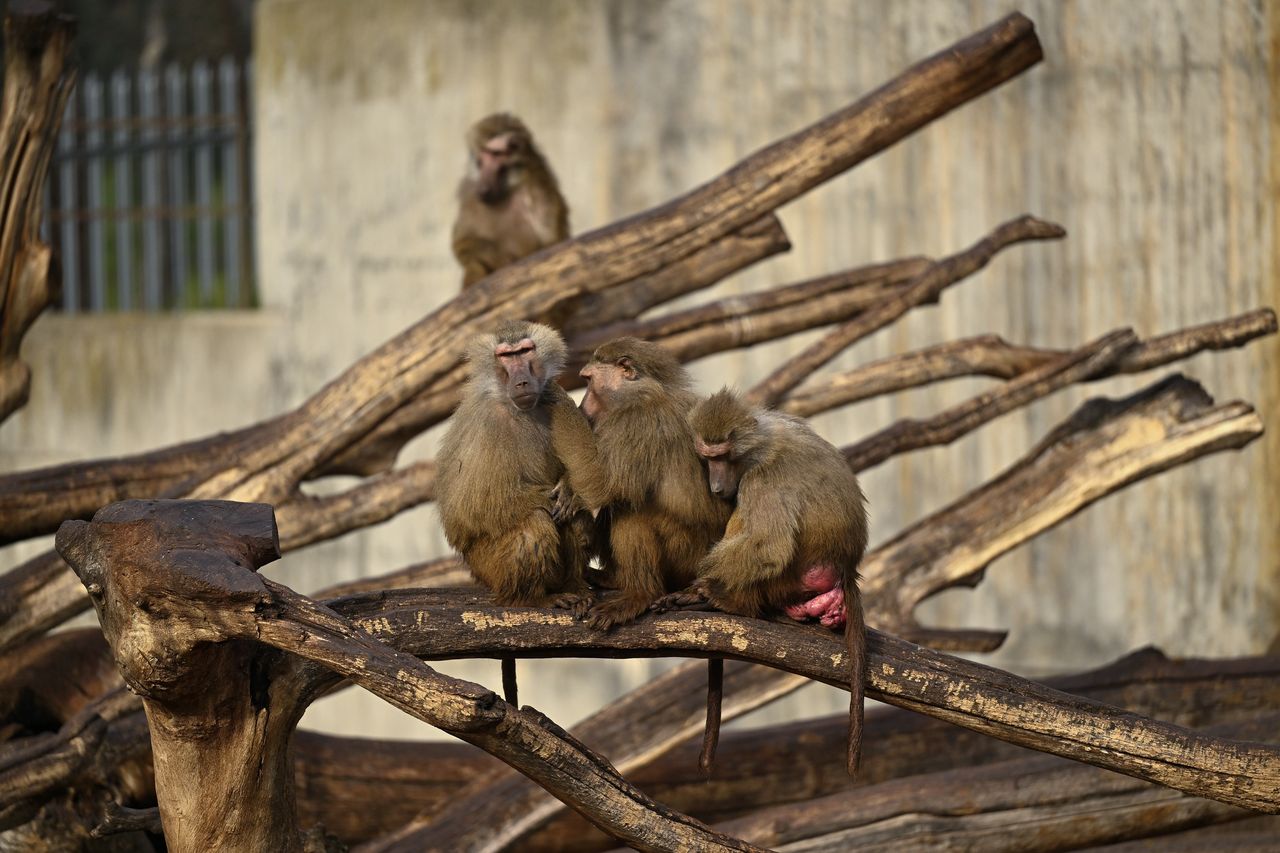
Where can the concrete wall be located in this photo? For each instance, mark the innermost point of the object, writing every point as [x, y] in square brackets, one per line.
[1150, 132]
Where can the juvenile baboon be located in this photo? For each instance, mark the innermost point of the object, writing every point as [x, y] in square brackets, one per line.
[798, 530]
[640, 467]
[509, 203]
[497, 471]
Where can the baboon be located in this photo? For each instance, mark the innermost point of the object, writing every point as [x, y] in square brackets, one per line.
[637, 464]
[497, 472]
[797, 534]
[509, 203]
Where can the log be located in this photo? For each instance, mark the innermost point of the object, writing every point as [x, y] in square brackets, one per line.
[1027, 805]
[926, 287]
[990, 355]
[38, 77]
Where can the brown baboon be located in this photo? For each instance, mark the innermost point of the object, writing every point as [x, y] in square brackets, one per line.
[509, 203]
[641, 468]
[497, 472]
[797, 534]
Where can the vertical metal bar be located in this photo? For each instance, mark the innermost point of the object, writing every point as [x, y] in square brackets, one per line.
[91, 86]
[202, 112]
[121, 116]
[227, 101]
[248, 222]
[67, 208]
[175, 99]
[149, 103]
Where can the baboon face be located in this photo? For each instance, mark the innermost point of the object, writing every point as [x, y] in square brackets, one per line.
[604, 382]
[520, 371]
[722, 471]
[497, 162]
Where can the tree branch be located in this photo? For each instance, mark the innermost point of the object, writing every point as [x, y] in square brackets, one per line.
[925, 288]
[1104, 446]
[989, 355]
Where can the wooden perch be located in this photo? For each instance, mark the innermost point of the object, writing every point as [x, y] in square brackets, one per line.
[989, 355]
[37, 80]
[926, 287]
[805, 759]
[1104, 446]
[900, 673]
[192, 628]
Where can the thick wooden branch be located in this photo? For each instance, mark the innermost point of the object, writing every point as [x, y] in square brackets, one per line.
[990, 355]
[1026, 805]
[900, 673]
[362, 788]
[192, 628]
[37, 79]
[926, 287]
[1104, 446]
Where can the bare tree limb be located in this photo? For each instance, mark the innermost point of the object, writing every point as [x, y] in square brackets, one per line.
[1104, 446]
[925, 288]
[947, 426]
[989, 355]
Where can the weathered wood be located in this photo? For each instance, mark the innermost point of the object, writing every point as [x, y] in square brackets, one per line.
[817, 301]
[220, 712]
[990, 355]
[1253, 835]
[645, 723]
[1028, 805]
[900, 673]
[362, 788]
[193, 627]
[947, 426]
[1104, 446]
[96, 749]
[926, 287]
[38, 76]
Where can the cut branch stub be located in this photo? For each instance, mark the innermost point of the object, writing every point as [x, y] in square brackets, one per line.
[169, 579]
[1104, 446]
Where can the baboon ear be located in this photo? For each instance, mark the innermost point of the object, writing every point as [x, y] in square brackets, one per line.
[628, 369]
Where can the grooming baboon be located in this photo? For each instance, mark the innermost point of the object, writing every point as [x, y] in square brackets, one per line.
[640, 466]
[497, 471]
[509, 204]
[797, 534]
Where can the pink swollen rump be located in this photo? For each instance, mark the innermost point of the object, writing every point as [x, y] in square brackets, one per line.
[828, 605]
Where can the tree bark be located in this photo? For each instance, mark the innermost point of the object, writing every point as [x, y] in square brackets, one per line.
[37, 80]
[1104, 446]
[926, 287]
[989, 355]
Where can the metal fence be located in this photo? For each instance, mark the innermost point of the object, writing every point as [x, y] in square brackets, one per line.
[148, 204]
